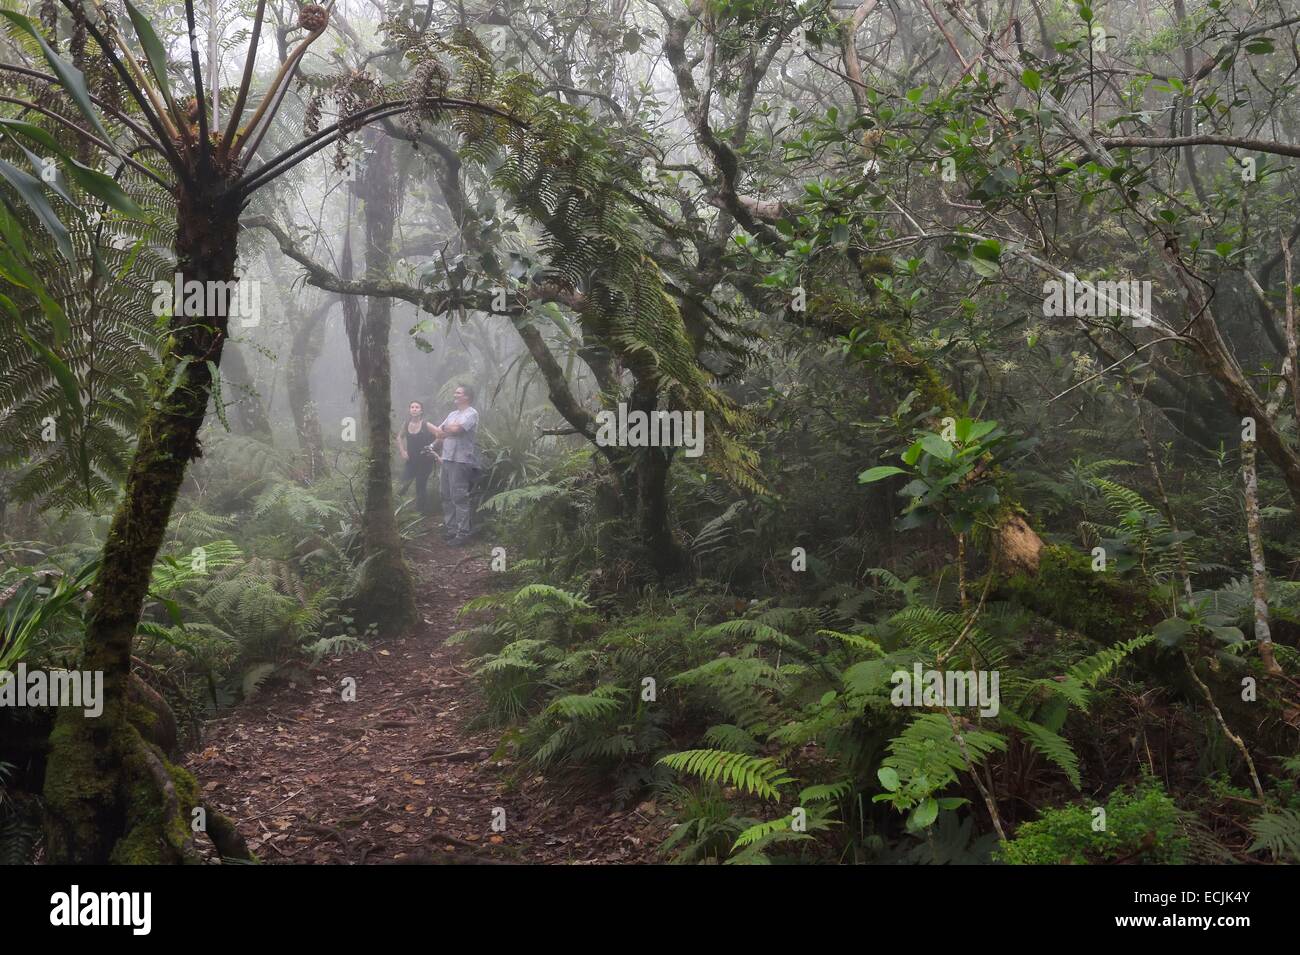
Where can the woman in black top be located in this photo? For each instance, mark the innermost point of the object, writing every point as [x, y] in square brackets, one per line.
[415, 442]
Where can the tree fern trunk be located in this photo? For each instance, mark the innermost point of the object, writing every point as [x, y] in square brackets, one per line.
[109, 796]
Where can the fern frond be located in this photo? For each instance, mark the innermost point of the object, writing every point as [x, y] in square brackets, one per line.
[758, 775]
[1278, 832]
[1047, 744]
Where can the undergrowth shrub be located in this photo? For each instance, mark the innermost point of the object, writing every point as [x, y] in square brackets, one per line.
[1141, 826]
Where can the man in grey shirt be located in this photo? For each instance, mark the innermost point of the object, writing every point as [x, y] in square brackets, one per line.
[460, 465]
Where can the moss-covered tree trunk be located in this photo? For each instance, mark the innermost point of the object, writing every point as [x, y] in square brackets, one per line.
[385, 594]
[110, 796]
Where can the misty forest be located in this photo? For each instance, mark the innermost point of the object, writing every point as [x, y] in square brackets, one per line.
[649, 431]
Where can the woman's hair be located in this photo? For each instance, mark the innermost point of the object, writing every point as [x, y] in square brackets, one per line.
[469, 392]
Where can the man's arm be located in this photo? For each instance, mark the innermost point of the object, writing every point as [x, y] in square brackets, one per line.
[460, 429]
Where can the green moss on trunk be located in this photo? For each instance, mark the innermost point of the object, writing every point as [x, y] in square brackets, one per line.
[102, 786]
[1068, 591]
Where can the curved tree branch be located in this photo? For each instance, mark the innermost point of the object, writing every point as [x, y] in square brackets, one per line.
[349, 124]
[1178, 142]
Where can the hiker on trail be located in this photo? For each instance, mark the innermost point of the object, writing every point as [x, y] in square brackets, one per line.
[460, 465]
[415, 442]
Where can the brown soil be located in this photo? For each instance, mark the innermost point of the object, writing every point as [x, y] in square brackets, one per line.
[399, 775]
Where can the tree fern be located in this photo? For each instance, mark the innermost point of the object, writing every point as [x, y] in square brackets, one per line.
[170, 573]
[108, 347]
[826, 792]
[299, 504]
[534, 593]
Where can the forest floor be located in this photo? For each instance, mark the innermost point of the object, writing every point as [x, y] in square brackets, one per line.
[399, 775]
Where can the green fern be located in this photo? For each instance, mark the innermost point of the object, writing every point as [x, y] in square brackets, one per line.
[728, 736]
[927, 757]
[1278, 832]
[760, 776]
[587, 706]
[520, 497]
[110, 347]
[1047, 744]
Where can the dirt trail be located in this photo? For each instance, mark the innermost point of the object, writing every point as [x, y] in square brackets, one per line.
[398, 776]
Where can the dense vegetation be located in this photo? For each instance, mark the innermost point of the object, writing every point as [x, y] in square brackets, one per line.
[987, 308]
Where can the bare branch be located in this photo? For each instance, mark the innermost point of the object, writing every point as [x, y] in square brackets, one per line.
[1177, 142]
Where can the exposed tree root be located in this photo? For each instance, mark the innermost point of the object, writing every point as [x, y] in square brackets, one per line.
[136, 808]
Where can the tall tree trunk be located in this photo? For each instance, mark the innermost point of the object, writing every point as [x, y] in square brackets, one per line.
[110, 797]
[307, 337]
[652, 467]
[1258, 568]
[247, 414]
[385, 594]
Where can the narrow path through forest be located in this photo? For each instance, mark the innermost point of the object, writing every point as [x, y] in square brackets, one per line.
[399, 775]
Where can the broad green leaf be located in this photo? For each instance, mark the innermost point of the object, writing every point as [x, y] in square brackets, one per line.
[969, 431]
[917, 488]
[153, 47]
[872, 475]
[937, 447]
[177, 375]
[62, 373]
[58, 184]
[924, 814]
[99, 185]
[18, 275]
[29, 189]
[1172, 631]
[12, 233]
[1228, 634]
